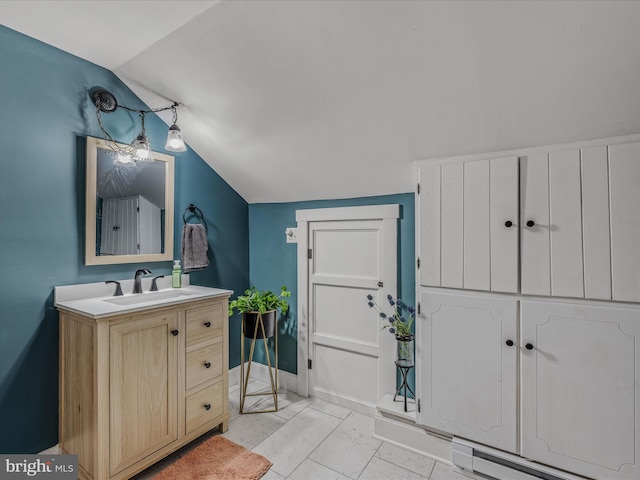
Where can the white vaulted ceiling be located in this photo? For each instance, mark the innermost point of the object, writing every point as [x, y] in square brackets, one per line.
[300, 100]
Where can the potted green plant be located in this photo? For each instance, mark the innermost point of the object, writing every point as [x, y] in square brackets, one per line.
[265, 303]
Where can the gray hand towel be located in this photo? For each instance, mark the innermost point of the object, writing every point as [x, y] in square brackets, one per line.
[194, 247]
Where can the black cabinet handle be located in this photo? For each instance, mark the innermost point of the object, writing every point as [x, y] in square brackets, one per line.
[207, 324]
[528, 346]
[508, 223]
[207, 364]
[531, 223]
[207, 406]
[509, 343]
[174, 333]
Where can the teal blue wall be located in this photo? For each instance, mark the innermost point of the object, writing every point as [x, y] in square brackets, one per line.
[45, 113]
[274, 263]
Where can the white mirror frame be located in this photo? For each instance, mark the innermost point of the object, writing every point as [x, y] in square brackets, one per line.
[93, 144]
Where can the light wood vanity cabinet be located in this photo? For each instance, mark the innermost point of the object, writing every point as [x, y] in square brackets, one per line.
[136, 387]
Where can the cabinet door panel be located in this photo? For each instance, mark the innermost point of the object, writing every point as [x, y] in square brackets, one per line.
[143, 389]
[477, 245]
[452, 225]
[580, 388]
[534, 206]
[624, 176]
[565, 220]
[467, 372]
[503, 206]
[595, 223]
[429, 233]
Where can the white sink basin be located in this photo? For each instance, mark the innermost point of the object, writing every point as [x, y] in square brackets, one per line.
[147, 297]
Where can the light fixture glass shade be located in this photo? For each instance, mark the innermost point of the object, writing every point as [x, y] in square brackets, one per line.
[142, 149]
[175, 142]
[123, 159]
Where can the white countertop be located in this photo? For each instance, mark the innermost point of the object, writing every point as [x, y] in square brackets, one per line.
[96, 300]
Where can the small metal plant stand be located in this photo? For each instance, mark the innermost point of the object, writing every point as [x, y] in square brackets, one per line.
[404, 368]
[404, 362]
[259, 333]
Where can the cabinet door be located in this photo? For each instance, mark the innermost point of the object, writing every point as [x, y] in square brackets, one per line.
[580, 388]
[429, 225]
[624, 170]
[466, 375]
[464, 239]
[551, 205]
[143, 380]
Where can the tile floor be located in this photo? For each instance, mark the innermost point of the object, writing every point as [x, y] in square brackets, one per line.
[310, 439]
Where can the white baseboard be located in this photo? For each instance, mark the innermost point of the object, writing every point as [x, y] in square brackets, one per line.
[393, 425]
[287, 381]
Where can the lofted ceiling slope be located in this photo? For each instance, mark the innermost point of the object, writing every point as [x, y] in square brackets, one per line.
[302, 100]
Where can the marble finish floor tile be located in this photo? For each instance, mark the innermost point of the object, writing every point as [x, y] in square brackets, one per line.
[310, 469]
[406, 459]
[249, 430]
[330, 408]
[350, 447]
[379, 469]
[291, 444]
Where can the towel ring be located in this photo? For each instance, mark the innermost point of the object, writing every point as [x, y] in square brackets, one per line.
[195, 211]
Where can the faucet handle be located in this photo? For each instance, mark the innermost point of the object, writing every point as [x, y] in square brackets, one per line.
[154, 286]
[118, 291]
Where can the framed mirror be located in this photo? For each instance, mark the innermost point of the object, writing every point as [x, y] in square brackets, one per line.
[129, 207]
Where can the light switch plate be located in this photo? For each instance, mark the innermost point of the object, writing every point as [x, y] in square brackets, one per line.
[291, 234]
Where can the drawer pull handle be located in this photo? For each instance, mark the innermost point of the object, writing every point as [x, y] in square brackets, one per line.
[207, 324]
[207, 406]
[508, 223]
[528, 346]
[174, 333]
[531, 223]
[509, 343]
[207, 364]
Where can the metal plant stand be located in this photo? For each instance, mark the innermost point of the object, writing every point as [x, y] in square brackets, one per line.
[404, 368]
[259, 334]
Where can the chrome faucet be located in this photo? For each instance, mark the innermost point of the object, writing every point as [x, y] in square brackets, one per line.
[137, 282]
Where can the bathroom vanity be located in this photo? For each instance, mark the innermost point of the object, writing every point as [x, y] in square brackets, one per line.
[140, 375]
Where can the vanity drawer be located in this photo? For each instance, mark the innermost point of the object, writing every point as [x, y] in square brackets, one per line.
[203, 406]
[205, 323]
[204, 364]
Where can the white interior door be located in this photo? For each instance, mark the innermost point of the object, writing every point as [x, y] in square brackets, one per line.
[350, 358]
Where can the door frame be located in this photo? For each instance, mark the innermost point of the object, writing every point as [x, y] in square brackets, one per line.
[389, 215]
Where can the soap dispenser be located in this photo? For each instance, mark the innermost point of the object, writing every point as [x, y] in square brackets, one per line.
[176, 275]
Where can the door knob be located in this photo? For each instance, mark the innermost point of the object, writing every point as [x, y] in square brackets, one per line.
[528, 346]
[207, 324]
[207, 364]
[508, 223]
[531, 223]
[509, 343]
[174, 332]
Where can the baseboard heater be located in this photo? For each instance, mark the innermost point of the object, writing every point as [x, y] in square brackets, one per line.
[476, 458]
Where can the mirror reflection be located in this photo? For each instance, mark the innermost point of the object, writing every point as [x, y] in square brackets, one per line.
[130, 205]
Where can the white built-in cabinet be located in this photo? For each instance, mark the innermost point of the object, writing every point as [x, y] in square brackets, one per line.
[560, 222]
[574, 402]
[130, 226]
[541, 360]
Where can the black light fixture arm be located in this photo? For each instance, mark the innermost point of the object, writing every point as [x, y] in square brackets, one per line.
[106, 102]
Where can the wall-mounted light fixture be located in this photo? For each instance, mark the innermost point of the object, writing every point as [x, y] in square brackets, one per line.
[139, 150]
